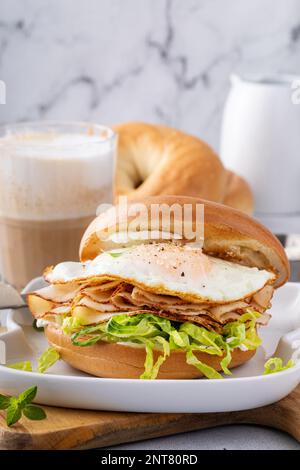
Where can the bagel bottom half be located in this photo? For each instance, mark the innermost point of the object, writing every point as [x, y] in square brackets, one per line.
[114, 360]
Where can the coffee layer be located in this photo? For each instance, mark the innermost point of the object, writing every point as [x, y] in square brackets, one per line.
[27, 247]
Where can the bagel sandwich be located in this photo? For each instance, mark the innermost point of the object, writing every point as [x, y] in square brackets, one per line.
[163, 306]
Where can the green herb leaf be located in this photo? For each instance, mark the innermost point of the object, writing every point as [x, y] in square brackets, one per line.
[4, 402]
[34, 412]
[47, 359]
[25, 365]
[27, 396]
[37, 328]
[15, 406]
[13, 412]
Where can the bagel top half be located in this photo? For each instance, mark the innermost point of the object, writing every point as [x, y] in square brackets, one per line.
[228, 233]
[155, 160]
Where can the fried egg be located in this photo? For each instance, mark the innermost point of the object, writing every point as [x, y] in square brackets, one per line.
[168, 268]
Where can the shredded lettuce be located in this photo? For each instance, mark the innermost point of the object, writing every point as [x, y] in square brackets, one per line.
[115, 254]
[151, 368]
[69, 324]
[202, 339]
[163, 336]
[24, 365]
[124, 326]
[242, 333]
[148, 365]
[47, 359]
[206, 370]
[226, 361]
[160, 337]
[161, 359]
[274, 364]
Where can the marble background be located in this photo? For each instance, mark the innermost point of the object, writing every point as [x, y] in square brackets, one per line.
[163, 61]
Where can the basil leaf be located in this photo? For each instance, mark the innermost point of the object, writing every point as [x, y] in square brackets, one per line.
[13, 412]
[27, 396]
[15, 406]
[33, 412]
[4, 402]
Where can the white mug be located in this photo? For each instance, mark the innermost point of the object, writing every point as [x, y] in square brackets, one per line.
[260, 140]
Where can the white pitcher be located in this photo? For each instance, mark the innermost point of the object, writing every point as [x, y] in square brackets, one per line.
[260, 140]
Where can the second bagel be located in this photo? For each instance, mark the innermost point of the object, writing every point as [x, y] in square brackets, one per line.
[157, 160]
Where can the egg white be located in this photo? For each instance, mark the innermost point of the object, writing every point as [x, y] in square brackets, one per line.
[169, 269]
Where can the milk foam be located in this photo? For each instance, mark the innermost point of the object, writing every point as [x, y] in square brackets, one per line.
[48, 175]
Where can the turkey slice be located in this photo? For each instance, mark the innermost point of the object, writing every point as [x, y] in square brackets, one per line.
[102, 296]
[144, 297]
[218, 312]
[98, 306]
[200, 320]
[61, 310]
[263, 297]
[123, 300]
[57, 293]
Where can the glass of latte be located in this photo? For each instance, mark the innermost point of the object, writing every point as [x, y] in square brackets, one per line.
[53, 176]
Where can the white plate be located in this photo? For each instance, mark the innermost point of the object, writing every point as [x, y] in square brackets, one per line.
[245, 389]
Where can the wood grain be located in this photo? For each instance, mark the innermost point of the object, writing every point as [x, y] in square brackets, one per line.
[80, 429]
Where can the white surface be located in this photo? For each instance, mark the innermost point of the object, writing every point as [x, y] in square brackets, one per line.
[157, 60]
[64, 386]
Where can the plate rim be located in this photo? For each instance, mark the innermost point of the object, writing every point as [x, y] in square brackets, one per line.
[229, 380]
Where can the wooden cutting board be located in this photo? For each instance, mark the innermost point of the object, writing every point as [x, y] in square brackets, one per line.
[78, 429]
